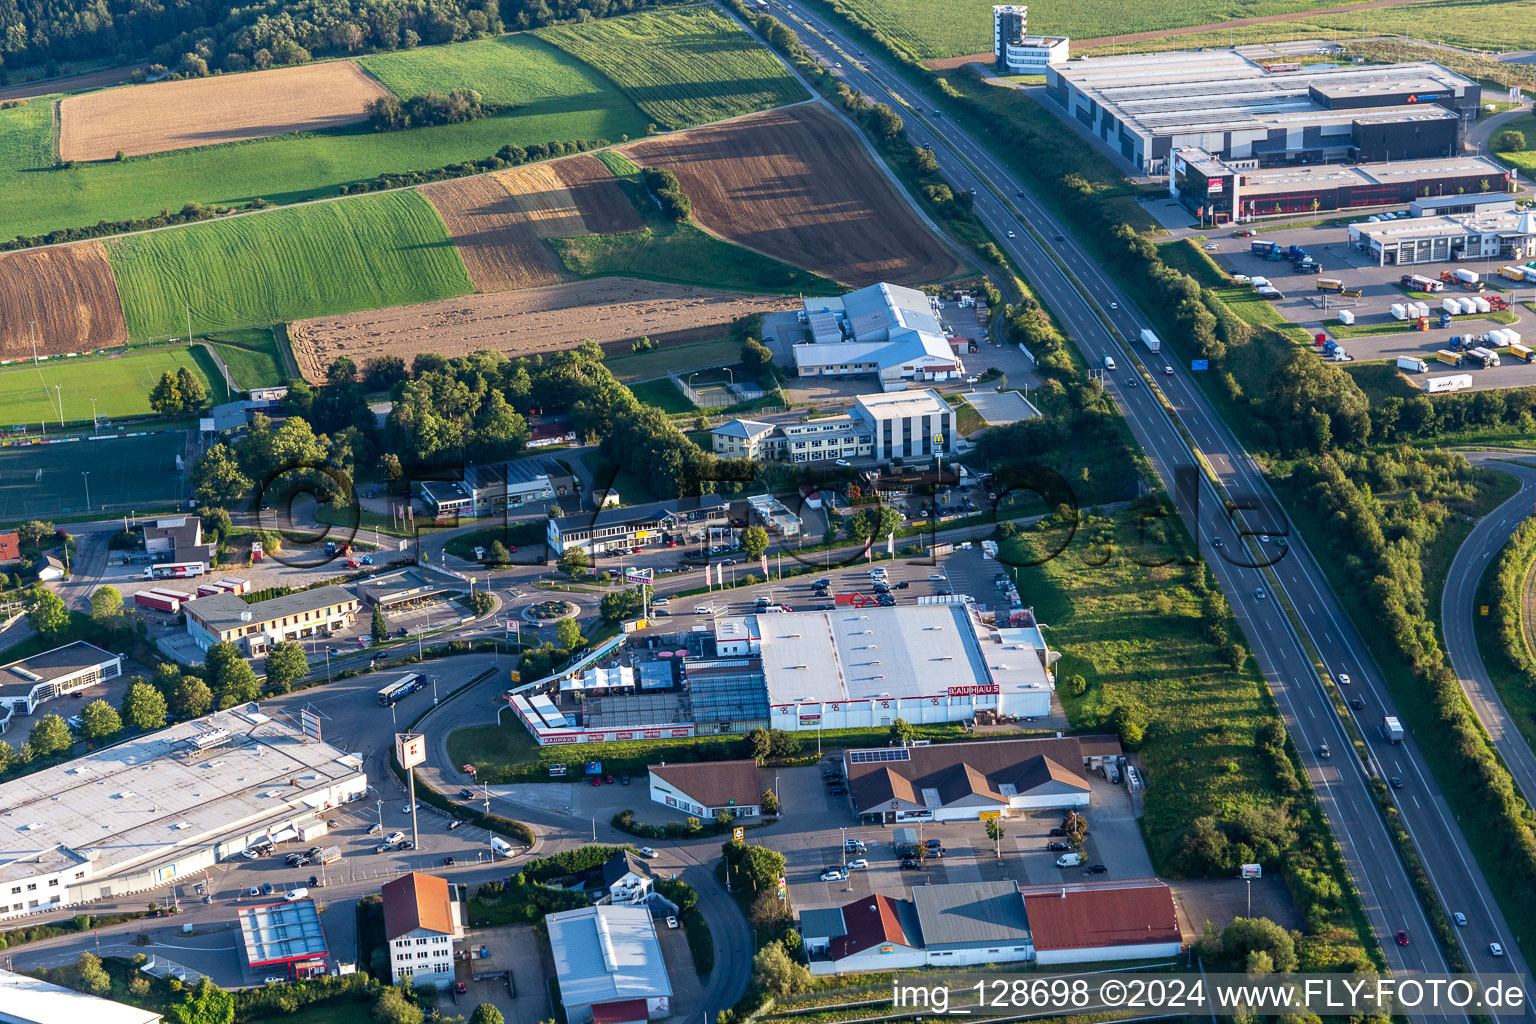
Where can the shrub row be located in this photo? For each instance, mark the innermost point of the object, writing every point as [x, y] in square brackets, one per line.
[663, 184]
[1509, 585]
[188, 214]
[570, 862]
[506, 156]
[79, 923]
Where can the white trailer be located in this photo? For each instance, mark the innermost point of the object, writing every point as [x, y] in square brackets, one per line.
[1481, 305]
[1346, 317]
[1151, 341]
[1442, 385]
[1399, 311]
[1451, 306]
[1411, 365]
[1468, 276]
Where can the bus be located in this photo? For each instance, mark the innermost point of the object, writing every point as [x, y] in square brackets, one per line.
[401, 688]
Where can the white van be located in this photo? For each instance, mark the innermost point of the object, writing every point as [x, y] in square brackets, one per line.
[501, 846]
[1109, 362]
[1069, 860]
[297, 894]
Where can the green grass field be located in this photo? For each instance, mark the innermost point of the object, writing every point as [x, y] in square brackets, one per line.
[664, 395]
[683, 255]
[558, 98]
[1526, 160]
[252, 357]
[643, 365]
[119, 384]
[367, 252]
[682, 67]
[947, 28]
[1185, 255]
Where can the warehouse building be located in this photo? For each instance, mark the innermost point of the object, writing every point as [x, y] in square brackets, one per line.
[256, 627]
[967, 781]
[1019, 53]
[29, 682]
[1218, 191]
[866, 667]
[886, 330]
[624, 527]
[609, 966]
[1237, 106]
[876, 933]
[1507, 235]
[973, 923]
[142, 813]
[705, 788]
[1094, 921]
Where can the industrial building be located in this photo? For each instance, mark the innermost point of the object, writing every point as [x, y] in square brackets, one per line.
[1236, 105]
[705, 788]
[256, 627]
[994, 923]
[625, 527]
[283, 939]
[1218, 191]
[885, 330]
[774, 515]
[486, 490]
[1506, 234]
[609, 966]
[967, 781]
[140, 814]
[1019, 53]
[866, 667]
[422, 918]
[29, 682]
[28, 1000]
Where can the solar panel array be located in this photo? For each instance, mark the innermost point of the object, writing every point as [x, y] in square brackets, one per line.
[871, 756]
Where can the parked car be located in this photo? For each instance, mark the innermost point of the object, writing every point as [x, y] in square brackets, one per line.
[294, 895]
[267, 889]
[455, 823]
[909, 864]
[832, 875]
[254, 890]
[1058, 846]
[1058, 831]
[934, 844]
[449, 862]
[836, 791]
[608, 779]
[648, 853]
[623, 780]
[394, 837]
[858, 862]
[937, 577]
[1095, 869]
[671, 922]
[853, 844]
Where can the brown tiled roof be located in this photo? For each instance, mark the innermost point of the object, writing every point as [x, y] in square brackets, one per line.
[873, 921]
[959, 769]
[714, 783]
[1098, 915]
[417, 901]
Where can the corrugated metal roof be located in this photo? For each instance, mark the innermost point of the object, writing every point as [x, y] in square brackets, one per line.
[604, 954]
[970, 914]
[1094, 915]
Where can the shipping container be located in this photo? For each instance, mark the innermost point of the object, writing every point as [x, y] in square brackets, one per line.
[1399, 311]
[159, 602]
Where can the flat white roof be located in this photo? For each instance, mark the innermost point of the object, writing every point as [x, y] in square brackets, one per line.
[28, 1000]
[182, 787]
[897, 404]
[607, 953]
[1515, 223]
[909, 347]
[905, 651]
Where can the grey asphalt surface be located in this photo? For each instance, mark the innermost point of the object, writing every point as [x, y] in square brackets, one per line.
[1458, 615]
[1097, 316]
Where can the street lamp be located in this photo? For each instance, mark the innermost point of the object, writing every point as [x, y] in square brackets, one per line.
[86, 474]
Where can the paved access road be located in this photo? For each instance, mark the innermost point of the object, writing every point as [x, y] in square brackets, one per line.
[1458, 614]
[1097, 315]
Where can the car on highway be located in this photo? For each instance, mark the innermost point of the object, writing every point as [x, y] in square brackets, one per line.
[1245, 233]
[1357, 703]
[1344, 678]
[1112, 305]
[449, 862]
[1021, 194]
[1402, 938]
[1217, 542]
[832, 875]
[1012, 235]
[1495, 949]
[1259, 593]
[648, 853]
[1460, 919]
[1397, 783]
[1167, 371]
[1132, 382]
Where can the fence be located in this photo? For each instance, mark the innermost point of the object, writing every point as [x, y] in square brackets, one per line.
[721, 396]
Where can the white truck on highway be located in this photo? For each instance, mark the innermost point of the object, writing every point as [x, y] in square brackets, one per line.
[1151, 341]
[1391, 729]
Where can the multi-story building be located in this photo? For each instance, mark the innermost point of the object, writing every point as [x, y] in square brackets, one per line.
[629, 526]
[746, 439]
[906, 424]
[1019, 53]
[256, 627]
[422, 918]
[892, 425]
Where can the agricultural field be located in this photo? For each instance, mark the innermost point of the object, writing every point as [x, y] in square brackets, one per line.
[251, 356]
[120, 384]
[532, 321]
[946, 28]
[367, 252]
[139, 119]
[683, 67]
[558, 97]
[67, 292]
[796, 185]
[683, 254]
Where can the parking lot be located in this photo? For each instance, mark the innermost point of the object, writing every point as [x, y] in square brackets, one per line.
[1114, 840]
[1304, 305]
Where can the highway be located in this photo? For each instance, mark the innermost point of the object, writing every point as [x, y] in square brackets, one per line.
[1088, 304]
[1458, 613]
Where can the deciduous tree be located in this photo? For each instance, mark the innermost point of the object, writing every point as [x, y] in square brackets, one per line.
[286, 665]
[49, 736]
[144, 706]
[106, 604]
[99, 720]
[48, 615]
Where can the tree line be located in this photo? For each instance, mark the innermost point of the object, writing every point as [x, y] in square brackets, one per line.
[197, 37]
[392, 114]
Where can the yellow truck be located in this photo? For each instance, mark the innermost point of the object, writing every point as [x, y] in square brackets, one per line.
[1513, 273]
[1445, 355]
[1329, 284]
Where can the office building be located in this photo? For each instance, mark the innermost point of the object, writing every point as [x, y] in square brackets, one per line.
[1508, 235]
[1016, 51]
[256, 627]
[1218, 191]
[422, 918]
[1238, 105]
[906, 424]
[143, 813]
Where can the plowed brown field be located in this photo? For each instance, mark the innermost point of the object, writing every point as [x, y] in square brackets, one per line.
[524, 323]
[500, 248]
[205, 111]
[797, 185]
[499, 220]
[69, 290]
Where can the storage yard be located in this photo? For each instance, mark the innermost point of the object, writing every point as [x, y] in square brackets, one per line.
[527, 322]
[797, 186]
[139, 119]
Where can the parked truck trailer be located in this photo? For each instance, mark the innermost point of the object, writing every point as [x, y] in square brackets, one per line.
[1444, 385]
[159, 602]
[1411, 364]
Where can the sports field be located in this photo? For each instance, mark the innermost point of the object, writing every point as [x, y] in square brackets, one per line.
[947, 28]
[367, 252]
[44, 480]
[682, 67]
[32, 394]
[558, 97]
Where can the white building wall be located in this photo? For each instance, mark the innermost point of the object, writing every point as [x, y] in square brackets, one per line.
[984, 955]
[426, 956]
[1049, 800]
[900, 958]
[873, 713]
[1088, 954]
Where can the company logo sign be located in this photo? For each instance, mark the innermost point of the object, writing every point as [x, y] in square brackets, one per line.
[972, 691]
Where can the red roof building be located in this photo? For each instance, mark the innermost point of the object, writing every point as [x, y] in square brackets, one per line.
[1130, 920]
[10, 546]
